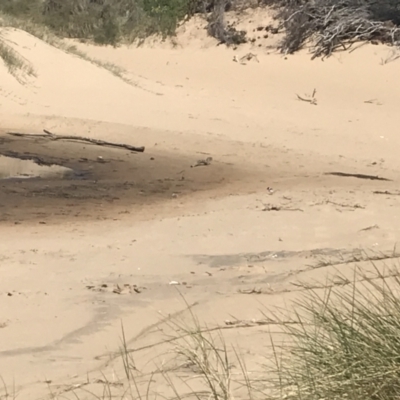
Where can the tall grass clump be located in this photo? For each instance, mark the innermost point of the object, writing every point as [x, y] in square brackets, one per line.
[345, 343]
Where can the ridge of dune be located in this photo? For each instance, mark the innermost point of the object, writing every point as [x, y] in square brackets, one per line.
[66, 84]
[195, 89]
[69, 86]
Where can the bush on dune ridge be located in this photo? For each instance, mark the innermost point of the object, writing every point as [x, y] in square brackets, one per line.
[328, 25]
[104, 21]
[112, 21]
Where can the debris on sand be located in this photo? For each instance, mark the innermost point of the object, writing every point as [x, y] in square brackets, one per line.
[202, 162]
[116, 288]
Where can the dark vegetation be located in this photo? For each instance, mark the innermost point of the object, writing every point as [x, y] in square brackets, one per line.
[104, 21]
[326, 25]
[330, 25]
[113, 21]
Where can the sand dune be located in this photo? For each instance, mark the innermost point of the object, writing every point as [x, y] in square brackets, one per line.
[149, 219]
[194, 84]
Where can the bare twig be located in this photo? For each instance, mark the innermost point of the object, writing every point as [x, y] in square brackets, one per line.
[386, 192]
[392, 56]
[309, 99]
[368, 228]
[239, 323]
[271, 207]
[344, 205]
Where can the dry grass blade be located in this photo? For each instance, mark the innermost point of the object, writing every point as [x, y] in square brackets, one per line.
[5, 393]
[207, 357]
[211, 368]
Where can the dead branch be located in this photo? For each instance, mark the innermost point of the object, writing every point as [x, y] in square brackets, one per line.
[331, 25]
[97, 142]
[344, 205]
[358, 176]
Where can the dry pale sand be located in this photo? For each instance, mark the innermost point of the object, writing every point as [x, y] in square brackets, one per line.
[147, 219]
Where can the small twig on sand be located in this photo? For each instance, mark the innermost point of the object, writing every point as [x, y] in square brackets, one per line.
[250, 291]
[358, 176]
[309, 99]
[368, 228]
[238, 323]
[373, 101]
[341, 205]
[386, 192]
[392, 56]
[344, 205]
[98, 142]
[271, 207]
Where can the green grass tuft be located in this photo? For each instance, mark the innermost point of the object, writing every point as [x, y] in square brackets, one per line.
[344, 344]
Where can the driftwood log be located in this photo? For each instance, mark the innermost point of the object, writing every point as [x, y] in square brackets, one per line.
[98, 142]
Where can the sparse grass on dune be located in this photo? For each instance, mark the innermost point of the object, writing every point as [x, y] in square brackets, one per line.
[341, 343]
[205, 355]
[14, 62]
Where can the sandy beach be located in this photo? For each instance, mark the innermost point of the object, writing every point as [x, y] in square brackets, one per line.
[255, 169]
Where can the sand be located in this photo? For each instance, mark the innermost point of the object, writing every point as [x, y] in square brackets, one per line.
[82, 254]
